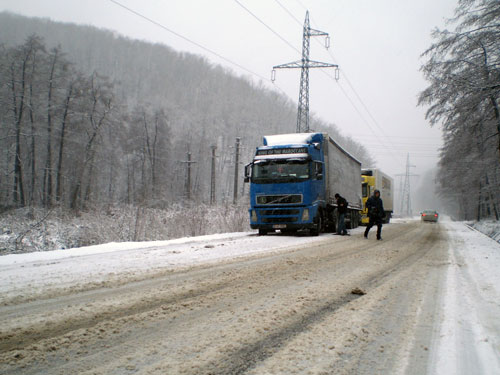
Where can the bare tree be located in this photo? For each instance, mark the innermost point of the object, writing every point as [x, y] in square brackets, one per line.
[99, 106]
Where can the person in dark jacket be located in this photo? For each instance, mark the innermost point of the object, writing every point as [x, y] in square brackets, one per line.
[376, 213]
[342, 210]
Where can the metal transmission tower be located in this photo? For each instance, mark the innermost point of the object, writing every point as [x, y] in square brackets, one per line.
[406, 193]
[304, 64]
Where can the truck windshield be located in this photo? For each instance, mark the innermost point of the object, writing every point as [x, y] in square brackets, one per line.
[273, 171]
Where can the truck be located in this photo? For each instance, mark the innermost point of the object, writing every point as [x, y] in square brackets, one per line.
[293, 181]
[375, 179]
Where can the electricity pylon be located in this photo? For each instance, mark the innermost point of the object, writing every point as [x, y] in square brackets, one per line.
[406, 193]
[304, 64]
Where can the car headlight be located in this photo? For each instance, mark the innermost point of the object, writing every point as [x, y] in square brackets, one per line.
[254, 215]
[305, 214]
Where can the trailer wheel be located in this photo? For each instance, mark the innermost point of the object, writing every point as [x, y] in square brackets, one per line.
[330, 222]
[319, 223]
[388, 215]
[348, 223]
[354, 219]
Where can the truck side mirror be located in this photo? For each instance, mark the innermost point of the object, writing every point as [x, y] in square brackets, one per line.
[247, 172]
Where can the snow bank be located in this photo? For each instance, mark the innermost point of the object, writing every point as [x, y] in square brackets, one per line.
[489, 227]
[32, 274]
[469, 337]
[41, 230]
[112, 247]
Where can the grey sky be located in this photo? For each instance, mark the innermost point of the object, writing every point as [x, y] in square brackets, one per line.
[377, 44]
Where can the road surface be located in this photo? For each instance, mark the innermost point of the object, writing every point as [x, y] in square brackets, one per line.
[339, 305]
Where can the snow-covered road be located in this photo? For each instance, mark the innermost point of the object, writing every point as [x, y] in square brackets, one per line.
[28, 275]
[469, 333]
[236, 303]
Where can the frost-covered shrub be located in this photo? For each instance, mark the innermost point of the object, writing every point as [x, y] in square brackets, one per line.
[24, 230]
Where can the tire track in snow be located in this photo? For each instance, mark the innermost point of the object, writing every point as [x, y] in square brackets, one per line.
[246, 358]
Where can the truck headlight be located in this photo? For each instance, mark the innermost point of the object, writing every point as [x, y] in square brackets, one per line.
[254, 215]
[305, 214]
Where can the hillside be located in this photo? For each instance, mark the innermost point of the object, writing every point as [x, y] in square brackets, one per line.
[188, 103]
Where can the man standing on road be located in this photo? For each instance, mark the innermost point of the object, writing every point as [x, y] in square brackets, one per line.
[342, 210]
[376, 213]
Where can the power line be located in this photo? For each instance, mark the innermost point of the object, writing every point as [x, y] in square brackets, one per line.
[265, 25]
[395, 136]
[192, 42]
[359, 98]
[302, 5]
[298, 51]
[289, 13]
[344, 74]
[348, 82]
[341, 88]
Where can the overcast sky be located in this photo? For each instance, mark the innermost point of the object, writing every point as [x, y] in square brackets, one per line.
[377, 44]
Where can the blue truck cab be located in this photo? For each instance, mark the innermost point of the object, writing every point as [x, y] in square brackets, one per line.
[288, 190]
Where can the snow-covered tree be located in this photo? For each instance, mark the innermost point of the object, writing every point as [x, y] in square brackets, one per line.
[463, 69]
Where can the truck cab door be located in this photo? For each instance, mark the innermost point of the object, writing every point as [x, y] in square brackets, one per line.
[318, 185]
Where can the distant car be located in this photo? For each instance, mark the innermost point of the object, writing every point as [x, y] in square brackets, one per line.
[429, 215]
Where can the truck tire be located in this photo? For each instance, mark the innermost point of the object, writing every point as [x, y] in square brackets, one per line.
[329, 222]
[316, 230]
[387, 218]
[351, 223]
[355, 219]
[262, 232]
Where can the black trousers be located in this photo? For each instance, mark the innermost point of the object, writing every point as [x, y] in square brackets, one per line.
[374, 221]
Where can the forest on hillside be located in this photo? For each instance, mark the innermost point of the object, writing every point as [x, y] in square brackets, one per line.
[463, 71]
[89, 117]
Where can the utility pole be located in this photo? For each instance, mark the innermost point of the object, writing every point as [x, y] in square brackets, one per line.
[304, 64]
[400, 191]
[188, 162]
[406, 192]
[212, 177]
[236, 162]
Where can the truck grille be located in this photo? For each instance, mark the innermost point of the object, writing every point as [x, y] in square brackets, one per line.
[280, 212]
[279, 219]
[279, 199]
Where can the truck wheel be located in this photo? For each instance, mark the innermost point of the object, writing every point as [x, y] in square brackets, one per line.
[315, 231]
[354, 219]
[387, 218]
[262, 232]
[349, 223]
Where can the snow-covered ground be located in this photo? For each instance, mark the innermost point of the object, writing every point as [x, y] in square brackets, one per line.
[62, 269]
[489, 227]
[467, 329]
[469, 334]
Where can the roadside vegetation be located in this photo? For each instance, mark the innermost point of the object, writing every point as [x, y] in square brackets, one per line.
[463, 71]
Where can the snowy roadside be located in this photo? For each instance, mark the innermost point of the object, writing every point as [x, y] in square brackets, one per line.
[469, 335]
[489, 227]
[37, 272]
[27, 230]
